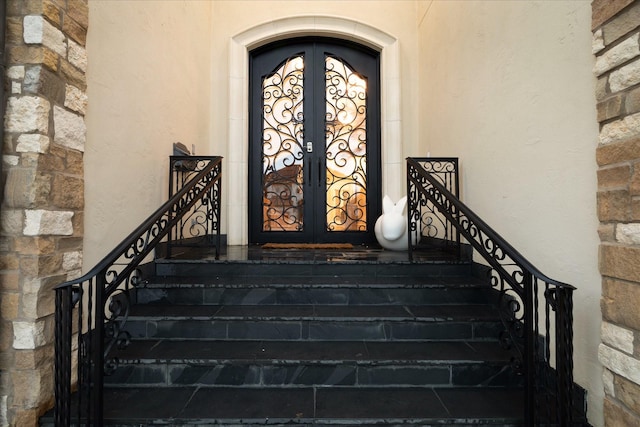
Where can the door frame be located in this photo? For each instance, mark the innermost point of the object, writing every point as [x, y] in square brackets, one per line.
[392, 156]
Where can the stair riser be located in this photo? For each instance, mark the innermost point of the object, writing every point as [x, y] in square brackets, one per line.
[313, 330]
[208, 295]
[296, 422]
[355, 269]
[313, 423]
[257, 375]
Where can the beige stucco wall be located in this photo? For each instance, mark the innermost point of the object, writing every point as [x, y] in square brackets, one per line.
[148, 83]
[508, 87]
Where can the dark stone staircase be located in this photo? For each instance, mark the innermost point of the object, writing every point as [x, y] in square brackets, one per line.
[345, 340]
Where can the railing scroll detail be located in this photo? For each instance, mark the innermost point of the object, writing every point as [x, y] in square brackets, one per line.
[200, 226]
[427, 227]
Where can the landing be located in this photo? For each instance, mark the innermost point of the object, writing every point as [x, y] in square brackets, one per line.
[358, 254]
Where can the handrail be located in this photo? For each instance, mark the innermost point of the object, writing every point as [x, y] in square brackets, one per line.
[527, 300]
[482, 225]
[95, 306]
[134, 236]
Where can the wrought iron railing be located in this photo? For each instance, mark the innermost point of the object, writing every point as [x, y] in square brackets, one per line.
[92, 310]
[427, 227]
[200, 227]
[536, 311]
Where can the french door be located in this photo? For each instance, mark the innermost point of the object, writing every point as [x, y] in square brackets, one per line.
[314, 150]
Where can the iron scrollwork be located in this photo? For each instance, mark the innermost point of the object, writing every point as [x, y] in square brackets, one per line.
[510, 309]
[116, 314]
[198, 226]
[282, 151]
[346, 147]
[427, 226]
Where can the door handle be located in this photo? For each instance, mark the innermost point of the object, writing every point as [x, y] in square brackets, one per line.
[309, 147]
[310, 173]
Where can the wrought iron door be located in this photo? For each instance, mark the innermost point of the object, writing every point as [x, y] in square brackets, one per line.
[314, 167]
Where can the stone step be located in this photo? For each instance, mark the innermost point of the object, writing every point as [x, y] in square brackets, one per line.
[329, 280]
[309, 322]
[329, 266]
[165, 363]
[312, 406]
[315, 312]
[324, 290]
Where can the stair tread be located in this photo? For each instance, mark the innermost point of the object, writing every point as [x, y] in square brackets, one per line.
[305, 404]
[315, 280]
[320, 352]
[467, 312]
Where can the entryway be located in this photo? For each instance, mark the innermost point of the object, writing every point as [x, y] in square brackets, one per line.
[314, 143]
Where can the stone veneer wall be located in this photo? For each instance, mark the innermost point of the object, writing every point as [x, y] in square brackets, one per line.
[616, 44]
[42, 210]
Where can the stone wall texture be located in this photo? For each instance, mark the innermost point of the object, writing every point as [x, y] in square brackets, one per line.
[616, 45]
[41, 225]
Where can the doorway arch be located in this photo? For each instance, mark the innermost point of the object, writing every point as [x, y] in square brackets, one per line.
[299, 26]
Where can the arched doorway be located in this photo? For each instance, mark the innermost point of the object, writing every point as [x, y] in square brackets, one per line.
[236, 215]
[314, 141]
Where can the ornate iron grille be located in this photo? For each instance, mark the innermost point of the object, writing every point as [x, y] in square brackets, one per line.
[92, 310]
[427, 226]
[282, 153]
[200, 227]
[536, 311]
[346, 148]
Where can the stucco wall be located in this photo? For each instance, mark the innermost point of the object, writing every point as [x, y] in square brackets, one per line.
[508, 88]
[148, 80]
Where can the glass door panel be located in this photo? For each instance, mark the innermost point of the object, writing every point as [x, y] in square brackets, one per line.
[282, 153]
[346, 148]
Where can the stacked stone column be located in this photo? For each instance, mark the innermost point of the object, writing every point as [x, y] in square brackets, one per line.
[42, 210]
[616, 44]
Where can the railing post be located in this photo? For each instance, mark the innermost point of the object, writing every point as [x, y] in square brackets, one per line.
[63, 333]
[564, 356]
[529, 350]
[172, 178]
[97, 356]
[410, 207]
[456, 185]
[218, 198]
